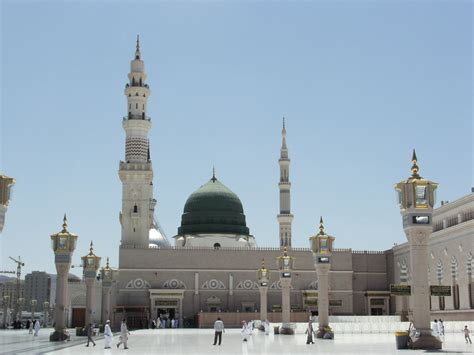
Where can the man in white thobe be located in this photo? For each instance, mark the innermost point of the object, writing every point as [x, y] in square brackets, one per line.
[37, 328]
[123, 334]
[108, 336]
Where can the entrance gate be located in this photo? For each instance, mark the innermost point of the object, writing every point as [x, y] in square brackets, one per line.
[166, 304]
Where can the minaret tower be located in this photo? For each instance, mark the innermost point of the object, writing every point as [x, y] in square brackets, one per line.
[285, 217]
[136, 172]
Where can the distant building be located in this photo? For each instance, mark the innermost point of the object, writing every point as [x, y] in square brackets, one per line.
[37, 287]
[8, 288]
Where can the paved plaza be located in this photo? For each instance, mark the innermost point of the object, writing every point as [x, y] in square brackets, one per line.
[199, 341]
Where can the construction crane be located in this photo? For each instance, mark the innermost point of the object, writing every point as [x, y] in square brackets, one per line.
[19, 264]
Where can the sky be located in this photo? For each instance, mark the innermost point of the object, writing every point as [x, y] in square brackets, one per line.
[360, 83]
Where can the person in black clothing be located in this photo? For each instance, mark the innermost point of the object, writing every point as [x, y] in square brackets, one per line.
[89, 330]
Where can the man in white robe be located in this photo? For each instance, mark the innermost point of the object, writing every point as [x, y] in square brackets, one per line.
[244, 332]
[37, 328]
[108, 336]
[123, 334]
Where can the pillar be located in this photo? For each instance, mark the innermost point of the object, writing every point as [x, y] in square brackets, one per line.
[323, 294]
[285, 300]
[263, 302]
[60, 332]
[90, 285]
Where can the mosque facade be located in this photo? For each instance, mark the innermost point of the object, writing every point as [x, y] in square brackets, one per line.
[212, 265]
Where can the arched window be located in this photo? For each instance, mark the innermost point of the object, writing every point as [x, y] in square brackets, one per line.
[439, 274]
[454, 274]
[470, 283]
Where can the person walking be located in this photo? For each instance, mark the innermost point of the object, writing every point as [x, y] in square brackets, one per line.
[245, 331]
[89, 331]
[466, 334]
[310, 332]
[108, 336]
[123, 335]
[30, 326]
[441, 329]
[434, 328]
[37, 328]
[218, 330]
[266, 326]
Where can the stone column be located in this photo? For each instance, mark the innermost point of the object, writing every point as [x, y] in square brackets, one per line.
[90, 285]
[263, 302]
[105, 303]
[285, 300]
[60, 307]
[418, 239]
[323, 294]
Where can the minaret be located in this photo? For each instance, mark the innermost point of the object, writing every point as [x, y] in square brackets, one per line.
[136, 172]
[285, 217]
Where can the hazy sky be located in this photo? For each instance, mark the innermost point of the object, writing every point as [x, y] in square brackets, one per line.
[361, 84]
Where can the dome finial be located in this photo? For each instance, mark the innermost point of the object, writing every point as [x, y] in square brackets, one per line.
[91, 248]
[263, 263]
[137, 51]
[213, 174]
[414, 167]
[64, 223]
[321, 226]
[107, 264]
[285, 251]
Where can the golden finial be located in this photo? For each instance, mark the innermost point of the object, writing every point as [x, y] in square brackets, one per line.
[285, 252]
[64, 224]
[321, 226]
[91, 249]
[414, 168]
[107, 264]
[263, 264]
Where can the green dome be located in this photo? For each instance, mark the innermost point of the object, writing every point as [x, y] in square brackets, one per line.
[213, 209]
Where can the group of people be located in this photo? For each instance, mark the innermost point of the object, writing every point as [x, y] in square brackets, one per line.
[164, 323]
[109, 336]
[33, 326]
[246, 332]
[437, 329]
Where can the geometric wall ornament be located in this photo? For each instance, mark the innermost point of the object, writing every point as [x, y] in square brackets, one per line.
[174, 284]
[247, 285]
[276, 285]
[138, 283]
[213, 284]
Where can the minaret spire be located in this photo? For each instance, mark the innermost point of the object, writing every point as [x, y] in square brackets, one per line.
[136, 171]
[137, 50]
[414, 167]
[285, 217]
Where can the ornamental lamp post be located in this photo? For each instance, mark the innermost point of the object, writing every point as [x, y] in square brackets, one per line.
[416, 198]
[263, 276]
[285, 265]
[321, 246]
[90, 264]
[63, 244]
[33, 308]
[21, 302]
[106, 274]
[6, 298]
[45, 313]
[6, 184]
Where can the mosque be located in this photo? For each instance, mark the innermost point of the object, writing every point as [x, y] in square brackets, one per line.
[212, 265]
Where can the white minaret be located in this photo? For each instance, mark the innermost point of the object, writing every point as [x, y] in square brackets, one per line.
[136, 172]
[285, 217]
